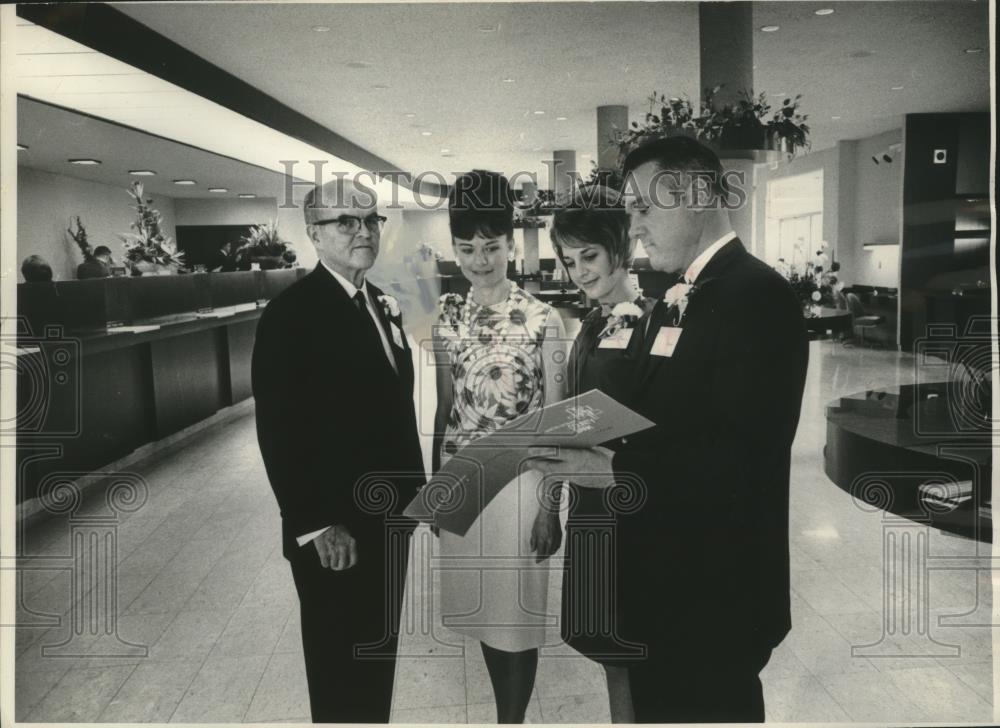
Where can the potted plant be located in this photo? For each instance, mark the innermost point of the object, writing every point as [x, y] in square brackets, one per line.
[147, 249]
[816, 285]
[744, 125]
[788, 130]
[264, 246]
[79, 237]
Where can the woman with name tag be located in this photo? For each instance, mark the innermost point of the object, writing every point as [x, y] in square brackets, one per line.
[500, 355]
[590, 235]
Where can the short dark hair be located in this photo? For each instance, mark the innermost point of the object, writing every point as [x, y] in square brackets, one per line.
[102, 250]
[593, 215]
[36, 270]
[680, 154]
[482, 203]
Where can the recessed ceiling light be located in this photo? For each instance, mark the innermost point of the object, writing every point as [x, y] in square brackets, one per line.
[824, 11]
[539, 113]
[217, 189]
[779, 93]
[359, 64]
[897, 88]
[321, 28]
[560, 118]
[141, 172]
[537, 149]
[508, 80]
[409, 115]
[489, 28]
[185, 182]
[770, 28]
[425, 133]
[835, 118]
[22, 147]
[379, 86]
[973, 50]
[84, 161]
[585, 156]
[246, 195]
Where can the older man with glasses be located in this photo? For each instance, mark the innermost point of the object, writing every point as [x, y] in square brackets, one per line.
[333, 382]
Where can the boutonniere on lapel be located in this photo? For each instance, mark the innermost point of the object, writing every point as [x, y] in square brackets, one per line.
[679, 296]
[623, 316]
[390, 307]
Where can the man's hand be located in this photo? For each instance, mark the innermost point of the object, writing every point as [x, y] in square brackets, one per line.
[337, 548]
[585, 467]
[546, 535]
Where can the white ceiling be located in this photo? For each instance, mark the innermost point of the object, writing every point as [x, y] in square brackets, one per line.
[54, 135]
[566, 59]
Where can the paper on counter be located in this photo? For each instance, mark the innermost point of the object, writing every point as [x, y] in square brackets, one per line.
[456, 495]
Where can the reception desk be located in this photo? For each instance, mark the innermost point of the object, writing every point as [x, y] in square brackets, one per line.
[915, 452]
[107, 366]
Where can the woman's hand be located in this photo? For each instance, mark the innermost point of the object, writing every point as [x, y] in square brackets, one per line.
[546, 535]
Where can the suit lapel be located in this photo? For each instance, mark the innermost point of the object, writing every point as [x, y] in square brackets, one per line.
[401, 355]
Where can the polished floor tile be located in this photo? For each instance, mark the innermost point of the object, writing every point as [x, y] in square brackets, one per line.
[202, 582]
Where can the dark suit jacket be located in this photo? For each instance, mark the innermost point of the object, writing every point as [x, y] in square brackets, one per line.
[716, 466]
[92, 268]
[331, 413]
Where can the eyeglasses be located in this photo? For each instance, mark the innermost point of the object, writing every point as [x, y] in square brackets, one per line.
[351, 224]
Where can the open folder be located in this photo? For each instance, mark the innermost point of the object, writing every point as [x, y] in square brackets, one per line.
[456, 494]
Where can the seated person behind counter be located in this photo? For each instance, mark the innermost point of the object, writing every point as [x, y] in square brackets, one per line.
[96, 266]
[35, 269]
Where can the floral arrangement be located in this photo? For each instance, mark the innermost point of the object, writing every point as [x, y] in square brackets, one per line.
[817, 284]
[743, 124]
[623, 316]
[80, 238]
[147, 243]
[679, 295]
[263, 245]
[530, 216]
[390, 307]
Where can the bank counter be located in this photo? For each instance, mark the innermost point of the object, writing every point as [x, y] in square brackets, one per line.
[107, 366]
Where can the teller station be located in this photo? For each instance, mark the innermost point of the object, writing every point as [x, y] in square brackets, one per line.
[109, 365]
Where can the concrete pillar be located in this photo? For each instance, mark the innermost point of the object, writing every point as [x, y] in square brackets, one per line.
[530, 253]
[726, 32]
[563, 171]
[611, 121]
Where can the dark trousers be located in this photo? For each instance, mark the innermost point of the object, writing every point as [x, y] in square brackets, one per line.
[694, 687]
[350, 625]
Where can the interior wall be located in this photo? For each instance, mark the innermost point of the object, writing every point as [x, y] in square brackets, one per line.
[225, 211]
[878, 190]
[46, 204]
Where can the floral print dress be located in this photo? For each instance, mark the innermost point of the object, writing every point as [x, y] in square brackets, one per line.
[491, 587]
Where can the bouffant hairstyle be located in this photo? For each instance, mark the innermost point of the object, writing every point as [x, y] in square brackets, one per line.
[593, 215]
[482, 203]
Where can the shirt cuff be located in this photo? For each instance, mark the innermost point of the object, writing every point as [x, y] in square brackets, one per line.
[306, 538]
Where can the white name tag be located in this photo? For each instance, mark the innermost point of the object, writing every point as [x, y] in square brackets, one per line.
[666, 341]
[397, 335]
[617, 340]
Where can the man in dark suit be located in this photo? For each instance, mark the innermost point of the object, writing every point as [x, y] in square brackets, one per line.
[720, 370]
[96, 266]
[333, 383]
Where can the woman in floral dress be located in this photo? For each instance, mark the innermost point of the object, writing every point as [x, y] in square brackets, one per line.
[500, 355]
[591, 237]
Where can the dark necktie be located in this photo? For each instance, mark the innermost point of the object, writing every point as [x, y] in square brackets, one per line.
[369, 323]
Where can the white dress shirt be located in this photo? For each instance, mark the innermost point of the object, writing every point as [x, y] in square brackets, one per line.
[351, 290]
[699, 263]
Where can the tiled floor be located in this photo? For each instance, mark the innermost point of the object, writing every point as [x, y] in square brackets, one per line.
[202, 583]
